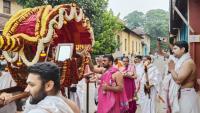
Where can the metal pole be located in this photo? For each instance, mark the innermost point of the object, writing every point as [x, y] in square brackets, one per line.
[87, 77]
[87, 96]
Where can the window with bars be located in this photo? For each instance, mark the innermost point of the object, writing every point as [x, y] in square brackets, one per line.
[6, 6]
[132, 46]
[125, 44]
[118, 42]
[136, 47]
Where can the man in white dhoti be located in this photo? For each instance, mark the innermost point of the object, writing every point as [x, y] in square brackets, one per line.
[183, 73]
[73, 95]
[139, 66]
[6, 81]
[149, 86]
[44, 88]
[169, 92]
[161, 61]
[139, 73]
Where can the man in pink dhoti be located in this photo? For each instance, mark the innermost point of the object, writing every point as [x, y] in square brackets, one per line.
[128, 72]
[111, 86]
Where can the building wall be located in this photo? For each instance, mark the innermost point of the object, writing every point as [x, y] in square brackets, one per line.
[1, 6]
[14, 7]
[130, 44]
[194, 9]
[3, 16]
[147, 43]
[137, 45]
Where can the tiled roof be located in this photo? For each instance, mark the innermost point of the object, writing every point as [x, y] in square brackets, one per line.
[139, 31]
[133, 32]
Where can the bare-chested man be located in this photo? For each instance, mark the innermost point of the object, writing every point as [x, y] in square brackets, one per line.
[111, 86]
[183, 73]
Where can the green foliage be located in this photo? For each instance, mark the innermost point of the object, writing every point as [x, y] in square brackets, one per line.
[104, 24]
[30, 3]
[155, 23]
[106, 42]
[134, 19]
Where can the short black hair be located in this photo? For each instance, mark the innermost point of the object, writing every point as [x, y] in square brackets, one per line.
[126, 58]
[148, 57]
[182, 44]
[116, 60]
[47, 71]
[110, 57]
[139, 57]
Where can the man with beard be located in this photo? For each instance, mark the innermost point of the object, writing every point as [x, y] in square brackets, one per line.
[44, 88]
[184, 75]
[111, 86]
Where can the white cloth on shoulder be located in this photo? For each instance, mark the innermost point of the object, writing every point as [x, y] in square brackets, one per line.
[139, 73]
[50, 104]
[148, 105]
[174, 87]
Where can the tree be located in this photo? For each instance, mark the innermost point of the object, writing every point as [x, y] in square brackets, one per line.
[105, 41]
[96, 11]
[134, 19]
[154, 22]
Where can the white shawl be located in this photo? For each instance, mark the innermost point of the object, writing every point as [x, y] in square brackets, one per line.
[50, 104]
[174, 87]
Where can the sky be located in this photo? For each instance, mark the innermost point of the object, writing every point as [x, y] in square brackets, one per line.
[124, 7]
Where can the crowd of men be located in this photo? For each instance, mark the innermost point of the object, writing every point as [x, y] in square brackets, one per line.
[122, 85]
[146, 81]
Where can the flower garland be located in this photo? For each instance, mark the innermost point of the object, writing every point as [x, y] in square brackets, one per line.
[13, 19]
[44, 19]
[41, 36]
[1, 41]
[40, 48]
[8, 58]
[38, 22]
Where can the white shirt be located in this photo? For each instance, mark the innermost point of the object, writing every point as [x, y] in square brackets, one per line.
[139, 70]
[6, 81]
